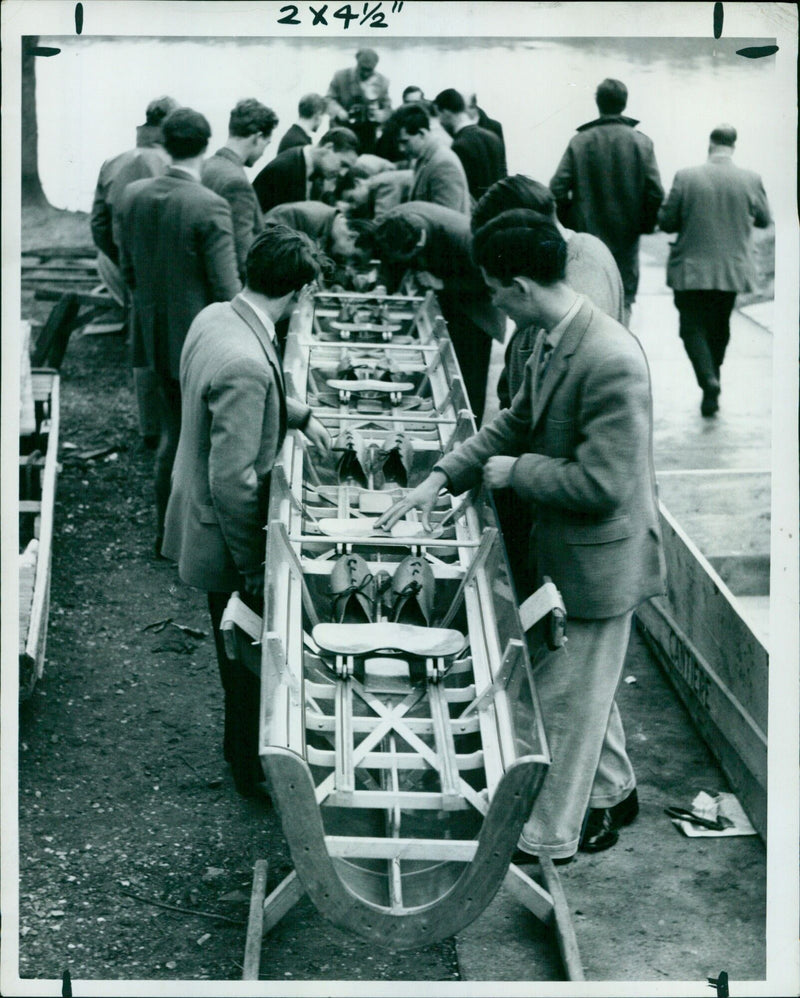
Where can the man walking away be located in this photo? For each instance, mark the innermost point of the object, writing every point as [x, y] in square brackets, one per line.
[249, 130]
[607, 183]
[712, 208]
[235, 417]
[177, 256]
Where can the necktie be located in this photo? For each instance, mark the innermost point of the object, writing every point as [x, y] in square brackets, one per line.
[544, 360]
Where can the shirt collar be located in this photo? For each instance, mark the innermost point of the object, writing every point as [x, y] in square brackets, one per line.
[261, 315]
[553, 336]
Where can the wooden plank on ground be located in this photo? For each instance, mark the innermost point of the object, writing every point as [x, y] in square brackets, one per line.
[565, 931]
[255, 922]
[706, 611]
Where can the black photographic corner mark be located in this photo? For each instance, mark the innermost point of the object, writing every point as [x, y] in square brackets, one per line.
[720, 983]
[44, 50]
[719, 17]
[66, 985]
[78, 18]
[757, 51]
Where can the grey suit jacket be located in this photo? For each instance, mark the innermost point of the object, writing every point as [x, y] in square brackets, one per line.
[439, 177]
[177, 256]
[234, 418]
[713, 208]
[224, 174]
[585, 464]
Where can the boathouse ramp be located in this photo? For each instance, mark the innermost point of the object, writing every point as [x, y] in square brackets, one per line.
[402, 777]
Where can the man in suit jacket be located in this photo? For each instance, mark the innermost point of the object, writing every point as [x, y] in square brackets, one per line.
[434, 241]
[359, 98]
[177, 255]
[591, 271]
[438, 174]
[577, 444]
[480, 151]
[235, 417]
[310, 110]
[607, 183]
[713, 208]
[249, 131]
[301, 173]
[148, 159]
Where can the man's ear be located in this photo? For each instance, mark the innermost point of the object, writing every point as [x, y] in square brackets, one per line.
[423, 238]
[521, 285]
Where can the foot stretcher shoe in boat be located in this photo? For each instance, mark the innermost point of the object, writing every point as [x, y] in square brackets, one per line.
[411, 595]
[352, 587]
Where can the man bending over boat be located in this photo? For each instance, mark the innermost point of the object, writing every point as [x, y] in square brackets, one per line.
[577, 445]
[234, 419]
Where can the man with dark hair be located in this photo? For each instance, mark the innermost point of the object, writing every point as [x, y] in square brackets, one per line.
[386, 147]
[438, 174]
[300, 174]
[591, 271]
[434, 242]
[359, 98]
[249, 131]
[148, 159]
[235, 417]
[177, 255]
[310, 110]
[481, 153]
[326, 225]
[607, 183]
[576, 444]
[713, 208]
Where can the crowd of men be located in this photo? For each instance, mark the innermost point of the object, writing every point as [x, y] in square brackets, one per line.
[211, 266]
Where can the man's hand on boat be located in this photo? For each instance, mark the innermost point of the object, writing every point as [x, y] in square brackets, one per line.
[423, 498]
[317, 435]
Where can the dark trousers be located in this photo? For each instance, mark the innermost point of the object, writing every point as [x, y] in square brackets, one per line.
[705, 330]
[473, 348]
[169, 404]
[242, 698]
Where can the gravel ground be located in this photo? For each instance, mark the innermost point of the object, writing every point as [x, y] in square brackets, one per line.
[127, 811]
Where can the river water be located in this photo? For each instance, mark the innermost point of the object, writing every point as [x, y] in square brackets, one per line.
[91, 96]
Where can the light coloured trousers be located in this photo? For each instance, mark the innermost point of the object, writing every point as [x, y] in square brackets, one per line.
[576, 686]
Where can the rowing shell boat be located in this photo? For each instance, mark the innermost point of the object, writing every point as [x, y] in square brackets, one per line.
[403, 762]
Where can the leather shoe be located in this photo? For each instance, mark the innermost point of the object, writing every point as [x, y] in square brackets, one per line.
[412, 592]
[710, 403]
[353, 589]
[602, 824]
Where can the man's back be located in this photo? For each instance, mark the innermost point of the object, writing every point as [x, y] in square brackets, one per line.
[439, 177]
[482, 156]
[115, 175]
[224, 174]
[295, 136]
[713, 207]
[283, 179]
[177, 256]
[610, 170]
